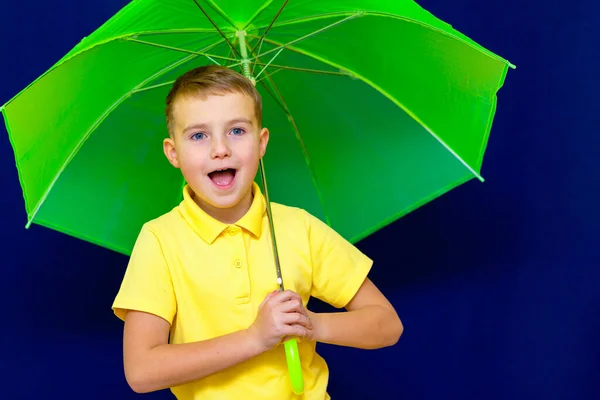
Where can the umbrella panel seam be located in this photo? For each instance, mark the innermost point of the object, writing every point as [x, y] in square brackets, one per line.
[468, 42]
[389, 96]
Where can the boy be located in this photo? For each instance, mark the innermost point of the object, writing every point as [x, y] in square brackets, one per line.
[202, 314]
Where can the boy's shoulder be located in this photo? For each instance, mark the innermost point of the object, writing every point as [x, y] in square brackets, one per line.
[170, 220]
[287, 209]
[293, 216]
[284, 212]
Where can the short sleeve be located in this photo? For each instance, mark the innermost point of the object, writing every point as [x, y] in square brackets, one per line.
[339, 268]
[147, 284]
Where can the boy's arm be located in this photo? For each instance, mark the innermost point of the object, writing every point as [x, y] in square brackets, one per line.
[340, 278]
[151, 363]
[369, 323]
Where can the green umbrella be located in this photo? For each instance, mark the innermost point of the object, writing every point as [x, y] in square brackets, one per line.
[375, 107]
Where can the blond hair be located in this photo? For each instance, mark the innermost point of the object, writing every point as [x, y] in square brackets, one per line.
[211, 80]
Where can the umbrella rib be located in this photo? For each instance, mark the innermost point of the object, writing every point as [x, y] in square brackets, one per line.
[260, 41]
[279, 100]
[218, 10]
[355, 15]
[168, 32]
[262, 8]
[270, 74]
[79, 52]
[231, 56]
[158, 85]
[392, 98]
[199, 53]
[97, 123]
[303, 146]
[313, 71]
[217, 28]
[194, 54]
[269, 63]
[394, 16]
[268, 90]
[308, 18]
[290, 68]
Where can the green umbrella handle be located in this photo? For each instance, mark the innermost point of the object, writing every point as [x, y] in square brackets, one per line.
[294, 367]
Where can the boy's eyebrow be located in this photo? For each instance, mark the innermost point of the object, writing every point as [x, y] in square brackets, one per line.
[240, 120]
[194, 127]
[230, 122]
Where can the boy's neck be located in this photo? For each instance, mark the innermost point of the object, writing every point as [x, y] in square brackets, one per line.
[227, 215]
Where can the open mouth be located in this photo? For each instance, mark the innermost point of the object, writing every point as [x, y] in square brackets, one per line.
[222, 177]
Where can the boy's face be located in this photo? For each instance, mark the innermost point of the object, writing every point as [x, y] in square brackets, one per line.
[217, 144]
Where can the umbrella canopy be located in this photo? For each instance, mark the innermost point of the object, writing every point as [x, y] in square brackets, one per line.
[375, 107]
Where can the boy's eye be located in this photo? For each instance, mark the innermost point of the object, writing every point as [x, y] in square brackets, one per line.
[237, 131]
[198, 136]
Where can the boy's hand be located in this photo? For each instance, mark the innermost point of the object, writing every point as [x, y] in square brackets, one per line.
[280, 315]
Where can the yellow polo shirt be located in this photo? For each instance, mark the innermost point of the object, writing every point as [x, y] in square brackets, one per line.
[207, 279]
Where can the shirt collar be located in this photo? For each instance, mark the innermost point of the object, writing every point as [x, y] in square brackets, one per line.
[208, 228]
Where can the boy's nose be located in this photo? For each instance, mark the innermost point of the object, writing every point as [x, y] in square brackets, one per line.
[220, 149]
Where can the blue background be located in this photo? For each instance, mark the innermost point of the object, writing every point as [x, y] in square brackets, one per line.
[496, 283]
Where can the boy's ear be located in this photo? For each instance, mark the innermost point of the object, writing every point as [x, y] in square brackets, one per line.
[264, 140]
[170, 152]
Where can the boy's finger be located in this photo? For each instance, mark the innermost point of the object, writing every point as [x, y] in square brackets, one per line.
[296, 319]
[286, 295]
[292, 306]
[296, 331]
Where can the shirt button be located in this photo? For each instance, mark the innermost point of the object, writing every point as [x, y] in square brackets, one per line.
[238, 263]
[233, 231]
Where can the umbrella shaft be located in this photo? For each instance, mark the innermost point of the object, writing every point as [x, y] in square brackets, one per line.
[244, 51]
[271, 226]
